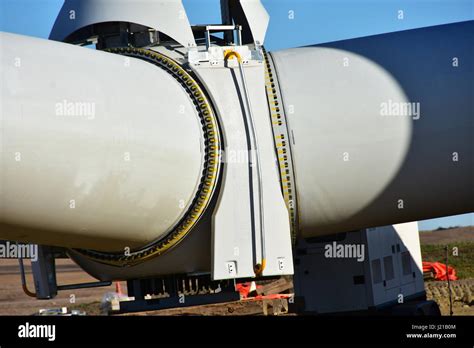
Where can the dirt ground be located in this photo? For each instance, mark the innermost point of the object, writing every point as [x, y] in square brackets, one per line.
[460, 234]
[13, 301]
[462, 295]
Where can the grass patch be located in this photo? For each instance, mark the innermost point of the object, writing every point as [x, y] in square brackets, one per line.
[92, 308]
[464, 263]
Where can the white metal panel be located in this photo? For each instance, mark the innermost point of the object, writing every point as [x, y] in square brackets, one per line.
[327, 283]
[278, 253]
[232, 239]
[409, 238]
[324, 292]
[167, 16]
[122, 175]
[381, 244]
[233, 242]
[392, 241]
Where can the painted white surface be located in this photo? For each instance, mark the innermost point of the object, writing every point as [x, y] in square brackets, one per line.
[400, 167]
[257, 17]
[140, 113]
[335, 120]
[233, 242]
[232, 228]
[327, 280]
[391, 242]
[167, 16]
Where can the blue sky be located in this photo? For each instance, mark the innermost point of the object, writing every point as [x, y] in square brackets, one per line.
[293, 23]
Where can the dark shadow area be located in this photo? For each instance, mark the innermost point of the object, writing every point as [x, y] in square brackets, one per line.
[434, 67]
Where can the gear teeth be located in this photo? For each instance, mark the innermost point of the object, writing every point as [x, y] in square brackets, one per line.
[282, 147]
[210, 172]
